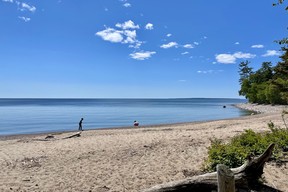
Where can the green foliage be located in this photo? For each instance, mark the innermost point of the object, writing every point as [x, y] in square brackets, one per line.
[247, 144]
[267, 85]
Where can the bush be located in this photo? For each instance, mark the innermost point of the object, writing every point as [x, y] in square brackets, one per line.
[247, 144]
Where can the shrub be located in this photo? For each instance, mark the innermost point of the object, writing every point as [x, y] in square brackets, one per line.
[247, 144]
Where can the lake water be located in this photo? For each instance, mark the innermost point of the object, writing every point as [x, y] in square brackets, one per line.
[23, 116]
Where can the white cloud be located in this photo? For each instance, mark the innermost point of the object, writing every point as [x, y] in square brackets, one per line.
[22, 6]
[237, 43]
[257, 46]
[231, 58]
[124, 35]
[30, 8]
[240, 55]
[26, 19]
[149, 26]
[169, 45]
[127, 5]
[185, 53]
[130, 36]
[127, 25]
[8, 1]
[188, 46]
[196, 43]
[111, 35]
[271, 53]
[210, 71]
[225, 58]
[169, 35]
[142, 55]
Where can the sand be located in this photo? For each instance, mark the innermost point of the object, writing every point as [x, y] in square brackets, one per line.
[128, 159]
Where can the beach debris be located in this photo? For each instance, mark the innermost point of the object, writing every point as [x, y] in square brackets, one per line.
[103, 189]
[49, 137]
[52, 137]
[246, 178]
[78, 134]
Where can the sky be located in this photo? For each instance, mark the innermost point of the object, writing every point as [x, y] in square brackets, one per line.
[134, 48]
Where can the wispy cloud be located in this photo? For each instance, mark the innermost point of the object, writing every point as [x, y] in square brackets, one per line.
[8, 1]
[271, 53]
[169, 45]
[22, 5]
[26, 7]
[149, 26]
[25, 19]
[142, 55]
[237, 43]
[196, 43]
[210, 71]
[127, 5]
[188, 46]
[185, 53]
[169, 35]
[231, 58]
[257, 46]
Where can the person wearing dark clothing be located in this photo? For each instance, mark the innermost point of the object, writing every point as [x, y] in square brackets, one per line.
[80, 125]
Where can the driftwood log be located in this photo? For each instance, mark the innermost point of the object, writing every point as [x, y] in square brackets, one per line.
[226, 180]
[246, 178]
[78, 134]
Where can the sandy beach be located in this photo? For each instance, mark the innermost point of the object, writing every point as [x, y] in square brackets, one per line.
[128, 159]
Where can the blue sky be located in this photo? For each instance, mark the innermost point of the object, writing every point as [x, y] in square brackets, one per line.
[133, 48]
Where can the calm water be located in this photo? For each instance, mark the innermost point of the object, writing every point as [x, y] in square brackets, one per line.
[21, 116]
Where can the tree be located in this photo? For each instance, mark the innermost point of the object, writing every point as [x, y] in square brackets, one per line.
[281, 69]
[244, 70]
[266, 71]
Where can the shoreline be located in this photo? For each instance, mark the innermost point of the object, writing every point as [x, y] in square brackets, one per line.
[122, 160]
[45, 116]
[252, 108]
[19, 135]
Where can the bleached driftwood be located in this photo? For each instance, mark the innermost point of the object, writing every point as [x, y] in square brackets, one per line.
[226, 180]
[246, 178]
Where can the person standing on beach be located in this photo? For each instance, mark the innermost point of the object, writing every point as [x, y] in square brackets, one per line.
[80, 125]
